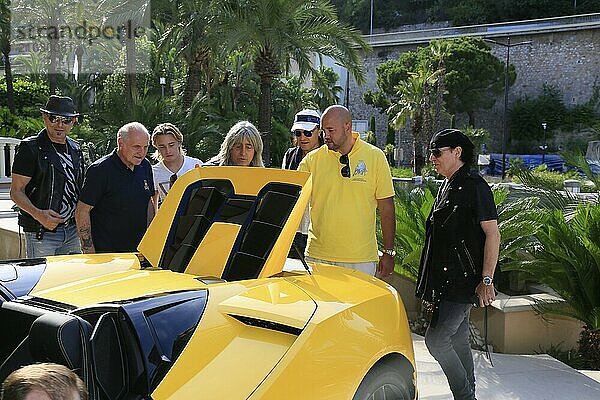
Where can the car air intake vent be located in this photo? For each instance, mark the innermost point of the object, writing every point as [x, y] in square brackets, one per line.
[274, 326]
[47, 304]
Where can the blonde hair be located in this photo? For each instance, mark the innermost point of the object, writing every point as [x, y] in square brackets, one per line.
[238, 132]
[166, 128]
[55, 380]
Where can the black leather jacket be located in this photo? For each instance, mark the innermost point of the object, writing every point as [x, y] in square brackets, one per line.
[452, 258]
[45, 189]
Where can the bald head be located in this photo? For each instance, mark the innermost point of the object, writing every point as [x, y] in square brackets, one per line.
[336, 124]
[338, 112]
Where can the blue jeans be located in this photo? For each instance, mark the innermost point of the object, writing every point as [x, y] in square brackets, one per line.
[448, 343]
[64, 241]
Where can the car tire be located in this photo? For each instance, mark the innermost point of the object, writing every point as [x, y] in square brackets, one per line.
[383, 382]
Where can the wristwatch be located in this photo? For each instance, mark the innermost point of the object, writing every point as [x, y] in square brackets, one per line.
[389, 252]
[487, 280]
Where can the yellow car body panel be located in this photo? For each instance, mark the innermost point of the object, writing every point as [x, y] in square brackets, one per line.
[62, 270]
[238, 357]
[206, 261]
[350, 317]
[119, 286]
[277, 301]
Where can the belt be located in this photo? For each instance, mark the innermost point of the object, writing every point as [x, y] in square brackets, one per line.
[68, 222]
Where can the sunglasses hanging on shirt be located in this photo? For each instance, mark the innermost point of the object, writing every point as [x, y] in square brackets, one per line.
[345, 171]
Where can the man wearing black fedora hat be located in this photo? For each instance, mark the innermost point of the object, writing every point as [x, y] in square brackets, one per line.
[47, 175]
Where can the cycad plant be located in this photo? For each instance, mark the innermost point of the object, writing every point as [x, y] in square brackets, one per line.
[412, 209]
[557, 241]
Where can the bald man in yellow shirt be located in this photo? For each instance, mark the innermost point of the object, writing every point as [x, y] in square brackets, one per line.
[351, 180]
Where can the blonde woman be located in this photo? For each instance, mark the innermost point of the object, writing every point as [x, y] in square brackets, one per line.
[242, 147]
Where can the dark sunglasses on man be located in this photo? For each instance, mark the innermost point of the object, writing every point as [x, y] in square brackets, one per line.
[301, 132]
[438, 152]
[54, 119]
[345, 171]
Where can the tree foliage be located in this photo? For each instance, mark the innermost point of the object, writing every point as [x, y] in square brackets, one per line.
[387, 14]
[527, 114]
[273, 33]
[473, 75]
[471, 12]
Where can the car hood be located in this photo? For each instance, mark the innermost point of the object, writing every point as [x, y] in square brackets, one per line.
[231, 222]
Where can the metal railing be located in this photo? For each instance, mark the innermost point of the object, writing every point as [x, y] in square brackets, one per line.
[556, 24]
[7, 156]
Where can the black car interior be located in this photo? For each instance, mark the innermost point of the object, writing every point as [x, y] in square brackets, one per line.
[261, 218]
[120, 351]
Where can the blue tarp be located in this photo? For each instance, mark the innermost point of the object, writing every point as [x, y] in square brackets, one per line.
[554, 162]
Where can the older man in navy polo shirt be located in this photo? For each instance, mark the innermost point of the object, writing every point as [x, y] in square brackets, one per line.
[116, 202]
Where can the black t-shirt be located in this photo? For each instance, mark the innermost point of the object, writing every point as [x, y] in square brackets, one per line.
[119, 197]
[24, 162]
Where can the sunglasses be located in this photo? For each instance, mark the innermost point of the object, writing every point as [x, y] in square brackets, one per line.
[438, 152]
[300, 132]
[54, 119]
[172, 179]
[346, 168]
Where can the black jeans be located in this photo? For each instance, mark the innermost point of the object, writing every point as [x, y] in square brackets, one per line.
[448, 343]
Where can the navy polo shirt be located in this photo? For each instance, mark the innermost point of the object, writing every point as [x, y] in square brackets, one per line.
[119, 197]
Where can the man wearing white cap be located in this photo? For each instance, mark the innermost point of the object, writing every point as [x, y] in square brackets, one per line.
[306, 137]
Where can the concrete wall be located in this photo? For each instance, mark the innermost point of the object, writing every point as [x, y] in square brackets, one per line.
[9, 245]
[567, 60]
[520, 330]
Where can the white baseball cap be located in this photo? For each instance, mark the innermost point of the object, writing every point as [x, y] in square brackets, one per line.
[306, 120]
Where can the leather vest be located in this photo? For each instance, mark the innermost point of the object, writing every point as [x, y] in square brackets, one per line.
[46, 187]
[452, 257]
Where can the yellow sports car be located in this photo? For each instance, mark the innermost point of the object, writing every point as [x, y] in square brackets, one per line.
[211, 307]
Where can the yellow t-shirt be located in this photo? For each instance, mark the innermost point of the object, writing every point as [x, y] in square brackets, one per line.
[342, 210]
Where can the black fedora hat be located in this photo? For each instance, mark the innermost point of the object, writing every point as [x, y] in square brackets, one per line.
[60, 105]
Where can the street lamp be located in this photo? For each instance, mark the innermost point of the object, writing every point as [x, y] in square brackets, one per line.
[371, 22]
[163, 81]
[508, 45]
[544, 146]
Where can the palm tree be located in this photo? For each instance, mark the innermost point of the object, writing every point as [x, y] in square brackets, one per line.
[325, 90]
[439, 49]
[44, 13]
[195, 32]
[276, 32]
[5, 49]
[413, 106]
[128, 16]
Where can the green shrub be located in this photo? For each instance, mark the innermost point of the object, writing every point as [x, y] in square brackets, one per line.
[19, 127]
[527, 115]
[549, 180]
[402, 172]
[27, 93]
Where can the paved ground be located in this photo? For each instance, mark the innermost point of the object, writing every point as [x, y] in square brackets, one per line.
[513, 377]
